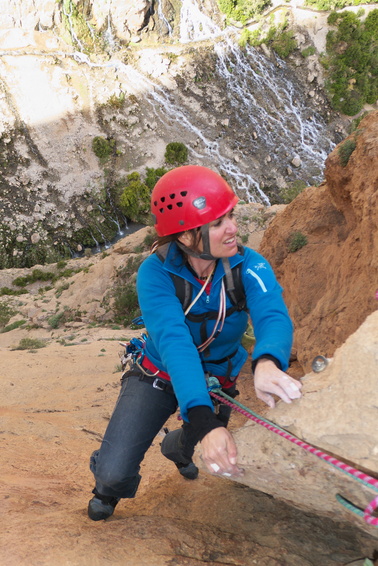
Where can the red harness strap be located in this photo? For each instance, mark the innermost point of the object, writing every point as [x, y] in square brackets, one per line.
[148, 365]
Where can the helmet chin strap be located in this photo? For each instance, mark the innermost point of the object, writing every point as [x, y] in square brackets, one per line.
[206, 253]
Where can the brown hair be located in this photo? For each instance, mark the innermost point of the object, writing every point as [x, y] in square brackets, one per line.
[162, 240]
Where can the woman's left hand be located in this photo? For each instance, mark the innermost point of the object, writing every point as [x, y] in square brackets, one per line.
[219, 453]
[269, 381]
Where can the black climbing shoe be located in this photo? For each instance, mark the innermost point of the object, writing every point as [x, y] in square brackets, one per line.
[171, 448]
[99, 509]
[188, 471]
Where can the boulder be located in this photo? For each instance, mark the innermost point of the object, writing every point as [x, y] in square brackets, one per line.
[338, 415]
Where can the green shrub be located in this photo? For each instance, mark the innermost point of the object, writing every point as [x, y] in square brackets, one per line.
[296, 241]
[308, 51]
[351, 61]
[8, 291]
[280, 39]
[13, 326]
[288, 194]
[284, 43]
[135, 198]
[103, 148]
[116, 101]
[153, 175]
[345, 151]
[36, 275]
[242, 10]
[21, 281]
[55, 320]
[176, 153]
[356, 122]
[126, 306]
[6, 313]
[328, 5]
[30, 344]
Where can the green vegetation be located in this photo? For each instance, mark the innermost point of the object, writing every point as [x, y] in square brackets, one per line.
[176, 153]
[345, 151]
[117, 101]
[328, 5]
[55, 319]
[36, 275]
[40, 275]
[61, 317]
[242, 10]
[6, 313]
[288, 194]
[30, 344]
[135, 198]
[278, 37]
[351, 61]
[296, 241]
[13, 326]
[123, 296]
[75, 17]
[356, 122]
[153, 175]
[8, 291]
[103, 148]
[308, 51]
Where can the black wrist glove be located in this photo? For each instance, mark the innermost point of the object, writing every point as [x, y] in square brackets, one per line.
[202, 420]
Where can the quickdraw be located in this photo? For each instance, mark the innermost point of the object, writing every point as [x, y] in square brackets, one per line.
[367, 514]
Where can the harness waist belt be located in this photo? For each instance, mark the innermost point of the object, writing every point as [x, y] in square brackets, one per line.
[157, 383]
[162, 376]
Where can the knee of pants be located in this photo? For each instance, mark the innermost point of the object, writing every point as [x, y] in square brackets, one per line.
[114, 477]
[124, 486]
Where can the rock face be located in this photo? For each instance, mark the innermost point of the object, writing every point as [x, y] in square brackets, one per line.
[337, 414]
[72, 72]
[330, 284]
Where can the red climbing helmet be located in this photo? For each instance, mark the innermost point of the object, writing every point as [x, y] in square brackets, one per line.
[188, 197]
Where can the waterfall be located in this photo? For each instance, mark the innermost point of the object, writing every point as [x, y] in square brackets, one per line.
[75, 39]
[194, 25]
[164, 19]
[267, 105]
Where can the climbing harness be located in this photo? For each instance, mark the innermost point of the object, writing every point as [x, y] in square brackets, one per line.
[232, 286]
[367, 514]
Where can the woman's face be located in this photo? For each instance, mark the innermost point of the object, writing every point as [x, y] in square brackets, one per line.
[222, 234]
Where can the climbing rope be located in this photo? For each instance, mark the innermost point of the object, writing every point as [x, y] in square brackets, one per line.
[361, 477]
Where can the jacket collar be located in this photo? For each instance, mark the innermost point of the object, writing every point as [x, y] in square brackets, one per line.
[174, 262]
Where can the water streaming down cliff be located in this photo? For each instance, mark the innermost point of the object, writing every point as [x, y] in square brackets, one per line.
[162, 17]
[195, 25]
[272, 121]
[238, 111]
[268, 99]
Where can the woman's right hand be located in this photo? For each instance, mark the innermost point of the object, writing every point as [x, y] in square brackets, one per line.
[219, 453]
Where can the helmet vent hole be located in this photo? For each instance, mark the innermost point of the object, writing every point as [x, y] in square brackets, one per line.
[155, 202]
[172, 196]
[169, 206]
[161, 210]
[162, 199]
[179, 204]
[184, 193]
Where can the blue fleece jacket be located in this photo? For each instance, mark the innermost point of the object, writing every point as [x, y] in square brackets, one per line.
[172, 339]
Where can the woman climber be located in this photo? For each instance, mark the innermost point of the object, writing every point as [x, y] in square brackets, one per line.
[196, 292]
